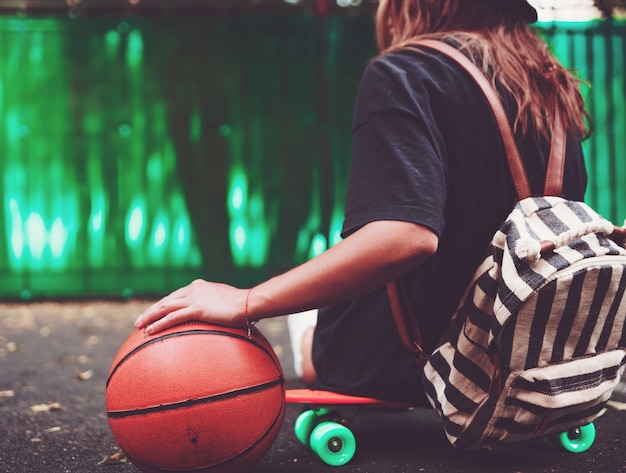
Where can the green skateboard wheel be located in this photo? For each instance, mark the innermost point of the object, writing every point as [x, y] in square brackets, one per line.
[304, 425]
[333, 443]
[578, 440]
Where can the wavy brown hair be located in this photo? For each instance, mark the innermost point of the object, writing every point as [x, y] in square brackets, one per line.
[496, 37]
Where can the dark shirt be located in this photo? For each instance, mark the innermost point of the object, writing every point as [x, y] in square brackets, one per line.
[426, 149]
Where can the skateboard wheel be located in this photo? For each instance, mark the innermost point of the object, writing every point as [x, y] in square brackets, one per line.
[579, 439]
[333, 443]
[304, 425]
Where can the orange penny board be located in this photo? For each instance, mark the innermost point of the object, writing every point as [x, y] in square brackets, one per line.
[328, 398]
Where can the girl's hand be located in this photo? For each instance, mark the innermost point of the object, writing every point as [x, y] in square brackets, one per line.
[199, 301]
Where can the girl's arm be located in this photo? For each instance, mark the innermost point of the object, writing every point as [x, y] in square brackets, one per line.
[377, 253]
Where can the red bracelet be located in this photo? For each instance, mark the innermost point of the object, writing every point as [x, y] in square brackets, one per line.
[248, 324]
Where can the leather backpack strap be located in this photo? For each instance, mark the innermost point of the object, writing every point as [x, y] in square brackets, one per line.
[556, 162]
[406, 322]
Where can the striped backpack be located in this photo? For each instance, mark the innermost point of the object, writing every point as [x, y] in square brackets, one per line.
[539, 341]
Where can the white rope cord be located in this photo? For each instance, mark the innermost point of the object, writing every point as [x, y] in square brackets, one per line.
[530, 250]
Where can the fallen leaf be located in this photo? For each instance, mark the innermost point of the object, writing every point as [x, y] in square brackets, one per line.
[92, 341]
[52, 406]
[114, 459]
[85, 375]
[618, 406]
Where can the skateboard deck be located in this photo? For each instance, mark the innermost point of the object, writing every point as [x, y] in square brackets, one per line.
[323, 398]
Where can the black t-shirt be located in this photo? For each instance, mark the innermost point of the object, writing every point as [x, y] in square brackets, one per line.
[425, 149]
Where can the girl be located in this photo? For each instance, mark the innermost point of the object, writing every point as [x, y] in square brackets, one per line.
[429, 186]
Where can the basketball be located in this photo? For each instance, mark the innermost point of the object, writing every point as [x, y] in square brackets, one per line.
[195, 397]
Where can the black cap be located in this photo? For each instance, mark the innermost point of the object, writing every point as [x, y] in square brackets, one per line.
[528, 12]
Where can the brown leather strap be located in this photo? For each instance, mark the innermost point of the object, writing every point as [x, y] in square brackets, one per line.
[556, 162]
[406, 322]
[554, 176]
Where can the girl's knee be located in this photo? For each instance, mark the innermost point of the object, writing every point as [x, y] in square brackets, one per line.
[308, 370]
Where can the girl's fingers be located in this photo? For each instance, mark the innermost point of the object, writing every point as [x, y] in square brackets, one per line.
[200, 300]
[158, 310]
[175, 317]
[178, 293]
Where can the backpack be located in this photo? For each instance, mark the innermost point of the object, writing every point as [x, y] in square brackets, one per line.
[537, 344]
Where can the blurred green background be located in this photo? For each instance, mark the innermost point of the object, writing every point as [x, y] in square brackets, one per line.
[141, 149]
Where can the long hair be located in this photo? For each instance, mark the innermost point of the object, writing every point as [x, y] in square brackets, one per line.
[496, 37]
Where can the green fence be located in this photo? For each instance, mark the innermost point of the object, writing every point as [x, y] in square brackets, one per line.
[137, 153]
[597, 51]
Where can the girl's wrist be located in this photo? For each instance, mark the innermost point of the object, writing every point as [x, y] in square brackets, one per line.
[249, 321]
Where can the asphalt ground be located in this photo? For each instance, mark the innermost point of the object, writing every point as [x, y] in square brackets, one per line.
[55, 357]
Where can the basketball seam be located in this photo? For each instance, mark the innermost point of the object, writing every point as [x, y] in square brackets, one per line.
[231, 459]
[194, 402]
[181, 334]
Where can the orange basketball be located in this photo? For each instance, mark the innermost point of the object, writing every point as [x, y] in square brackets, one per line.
[195, 397]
